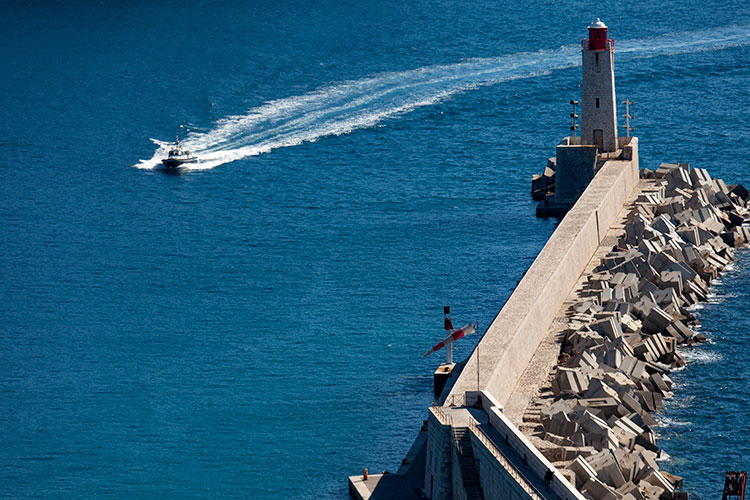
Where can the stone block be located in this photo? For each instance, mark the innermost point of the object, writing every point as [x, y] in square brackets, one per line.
[699, 177]
[656, 478]
[555, 439]
[649, 400]
[649, 491]
[598, 389]
[657, 320]
[634, 368]
[613, 358]
[630, 324]
[671, 279]
[631, 403]
[740, 191]
[605, 406]
[607, 468]
[583, 471]
[658, 383]
[597, 490]
[674, 480]
[630, 491]
[608, 328]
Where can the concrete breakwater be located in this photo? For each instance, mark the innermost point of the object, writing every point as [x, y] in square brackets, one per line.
[556, 402]
[594, 421]
[577, 362]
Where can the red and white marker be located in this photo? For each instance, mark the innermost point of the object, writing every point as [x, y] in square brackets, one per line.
[469, 328]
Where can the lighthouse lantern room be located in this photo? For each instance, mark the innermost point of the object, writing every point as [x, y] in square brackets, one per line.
[597, 36]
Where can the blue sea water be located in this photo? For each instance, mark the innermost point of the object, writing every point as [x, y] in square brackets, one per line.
[255, 328]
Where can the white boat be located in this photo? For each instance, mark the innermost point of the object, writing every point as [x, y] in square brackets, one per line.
[178, 156]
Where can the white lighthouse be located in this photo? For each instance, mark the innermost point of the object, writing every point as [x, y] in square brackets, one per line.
[598, 103]
[580, 157]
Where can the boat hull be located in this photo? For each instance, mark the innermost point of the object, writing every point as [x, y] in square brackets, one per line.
[175, 162]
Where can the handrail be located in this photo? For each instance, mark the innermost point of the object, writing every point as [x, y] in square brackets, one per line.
[442, 417]
[516, 474]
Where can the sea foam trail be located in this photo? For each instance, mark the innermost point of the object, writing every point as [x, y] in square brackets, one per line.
[344, 107]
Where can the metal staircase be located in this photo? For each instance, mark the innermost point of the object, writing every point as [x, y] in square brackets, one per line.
[467, 462]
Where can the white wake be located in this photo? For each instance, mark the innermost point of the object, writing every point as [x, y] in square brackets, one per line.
[344, 107]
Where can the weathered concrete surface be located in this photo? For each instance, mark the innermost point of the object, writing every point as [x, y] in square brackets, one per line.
[514, 335]
[545, 357]
[405, 484]
[593, 417]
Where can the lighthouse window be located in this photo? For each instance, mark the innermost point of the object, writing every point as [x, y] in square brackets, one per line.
[596, 61]
[597, 103]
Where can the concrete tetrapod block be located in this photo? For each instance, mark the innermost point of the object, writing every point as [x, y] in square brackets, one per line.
[583, 471]
[630, 324]
[619, 382]
[606, 406]
[679, 331]
[658, 383]
[649, 491]
[597, 490]
[689, 234]
[631, 403]
[663, 224]
[675, 481]
[634, 368]
[559, 406]
[555, 439]
[671, 279]
[625, 438]
[647, 351]
[607, 469]
[665, 168]
[656, 321]
[741, 191]
[630, 491]
[699, 177]
[569, 380]
[607, 327]
[678, 178]
[613, 358]
[627, 424]
[598, 389]
[649, 400]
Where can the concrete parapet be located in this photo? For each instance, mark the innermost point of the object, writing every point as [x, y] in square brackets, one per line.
[438, 481]
[533, 457]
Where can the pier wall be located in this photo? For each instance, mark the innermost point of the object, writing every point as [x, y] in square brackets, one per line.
[514, 335]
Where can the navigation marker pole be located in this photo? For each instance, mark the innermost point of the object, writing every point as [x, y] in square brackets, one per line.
[443, 373]
[449, 330]
[477, 330]
[575, 117]
[628, 116]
